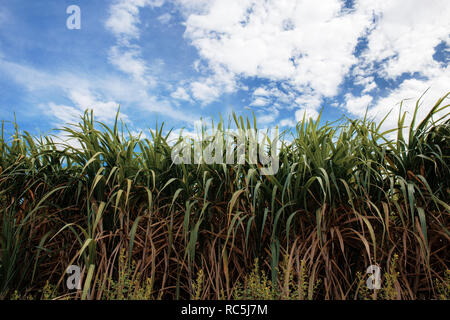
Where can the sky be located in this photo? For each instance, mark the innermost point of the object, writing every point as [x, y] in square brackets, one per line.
[179, 61]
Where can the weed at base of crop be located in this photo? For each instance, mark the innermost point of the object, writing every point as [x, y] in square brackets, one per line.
[257, 286]
[197, 286]
[128, 286]
[443, 286]
[388, 288]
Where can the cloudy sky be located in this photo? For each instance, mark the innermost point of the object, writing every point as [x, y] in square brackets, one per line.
[181, 60]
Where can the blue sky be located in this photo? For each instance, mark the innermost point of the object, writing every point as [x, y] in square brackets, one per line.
[181, 60]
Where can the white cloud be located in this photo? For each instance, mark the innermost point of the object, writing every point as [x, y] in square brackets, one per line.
[305, 44]
[307, 113]
[357, 105]
[259, 102]
[124, 23]
[84, 99]
[287, 123]
[126, 56]
[405, 34]
[261, 92]
[129, 61]
[63, 140]
[407, 94]
[84, 93]
[67, 114]
[205, 92]
[402, 41]
[308, 48]
[104, 110]
[412, 89]
[124, 19]
[309, 100]
[363, 78]
[181, 94]
[193, 6]
[210, 88]
[164, 18]
[102, 93]
[267, 116]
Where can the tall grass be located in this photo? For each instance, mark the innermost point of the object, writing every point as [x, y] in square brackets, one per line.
[346, 196]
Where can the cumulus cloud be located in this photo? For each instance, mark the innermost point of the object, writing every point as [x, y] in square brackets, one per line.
[405, 34]
[308, 100]
[307, 113]
[357, 105]
[124, 19]
[311, 47]
[181, 94]
[409, 92]
[259, 102]
[402, 42]
[124, 23]
[209, 89]
[104, 110]
[288, 41]
[129, 61]
[267, 116]
[287, 123]
[205, 91]
[261, 92]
